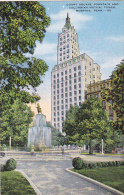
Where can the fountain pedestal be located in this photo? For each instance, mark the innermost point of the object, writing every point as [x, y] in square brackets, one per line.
[39, 134]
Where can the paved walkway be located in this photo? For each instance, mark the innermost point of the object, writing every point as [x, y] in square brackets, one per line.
[49, 175]
[51, 178]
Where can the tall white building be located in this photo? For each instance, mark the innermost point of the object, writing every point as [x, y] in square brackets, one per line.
[71, 75]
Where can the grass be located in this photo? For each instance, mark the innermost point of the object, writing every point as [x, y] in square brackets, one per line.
[86, 153]
[13, 183]
[111, 176]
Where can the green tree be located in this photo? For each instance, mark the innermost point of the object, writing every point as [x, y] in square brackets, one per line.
[92, 121]
[116, 95]
[22, 24]
[15, 123]
[69, 125]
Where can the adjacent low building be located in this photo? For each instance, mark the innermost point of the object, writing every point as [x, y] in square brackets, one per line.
[95, 89]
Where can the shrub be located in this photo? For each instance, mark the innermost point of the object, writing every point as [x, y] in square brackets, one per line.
[99, 164]
[10, 165]
[77, 163]
[114, 163]
[86, 166]
[3, 168]
[110, 164]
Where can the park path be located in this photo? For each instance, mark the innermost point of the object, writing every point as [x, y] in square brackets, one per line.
[50, 178]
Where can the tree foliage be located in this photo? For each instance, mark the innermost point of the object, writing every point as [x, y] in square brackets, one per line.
[22, 24]
[90, 122]
[15, 123]
[116, 94]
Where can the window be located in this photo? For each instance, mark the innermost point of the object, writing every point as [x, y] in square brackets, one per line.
[74, 74]
[58, 75]
[75, 104]
[54, 97]
[97, 68]
[60, 49]
[79, 103]
[79, 79]
[57, 80]
[57, 107]
[70, 93]
[61, 84]
[67, 56]
[57, 85]
[79, 67]
[54, 108]
[90, 89]
[104, 103]
[67, 50]
[67, 35]
[61, 95]
[75, 98]
[57, 96]
[67, 46]
[54, 103]
[66, 106]
[70, 88]
[54, 114]
[58, 113]
[75, 68]
[79, 91]
[62, 101]
[62, 112]
[61, 73]
[57, 91]
[62, 107]
[60, 54]
[64, 47]
[57, 102]
[69, 76]
[54, 86]
[66, 89]
[70, 82]
[60, 43]
[70, 99]
[69, 70]
[85, 79]
[75, 92]
[54, 76]
[66, 100]
[65, 77]
[54, 119]
[75, 80]
[66, 72]
[85, 67]
[79, 97]
[94, 88]
[75, 86]
[62, 79]
[100, 86]
[79, 73]
[54, 81]
[61, 90]
[66, 95]
[65, 83]
[97, 87]
[60, 59]
[90, 63]
[107, 84]
[62, 118]
[54, 92]
[79, 85]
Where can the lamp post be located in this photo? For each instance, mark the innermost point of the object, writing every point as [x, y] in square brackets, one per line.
[102, 146]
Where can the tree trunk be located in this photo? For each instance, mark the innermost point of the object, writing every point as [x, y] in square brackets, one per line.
[91, 147]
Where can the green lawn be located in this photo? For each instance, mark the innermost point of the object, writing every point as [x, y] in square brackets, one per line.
[111, 176]
[13, 183]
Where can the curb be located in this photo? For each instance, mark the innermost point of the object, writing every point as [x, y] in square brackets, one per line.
[114, 191]
[31, 183]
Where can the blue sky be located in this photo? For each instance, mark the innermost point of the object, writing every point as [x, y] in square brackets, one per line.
[100, 35]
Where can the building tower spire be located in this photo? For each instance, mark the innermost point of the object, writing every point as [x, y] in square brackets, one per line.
[67, 19]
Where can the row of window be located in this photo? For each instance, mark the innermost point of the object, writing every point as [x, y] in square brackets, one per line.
[66, 72]
[66, 78]
[99, 87]
[62, 85]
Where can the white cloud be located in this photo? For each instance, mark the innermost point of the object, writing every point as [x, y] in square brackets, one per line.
[116, 39]
[59, 20]
[108, 67]
[45, 48]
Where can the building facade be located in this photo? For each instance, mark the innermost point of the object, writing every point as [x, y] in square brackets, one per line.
[71, 76]
[95, 90]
